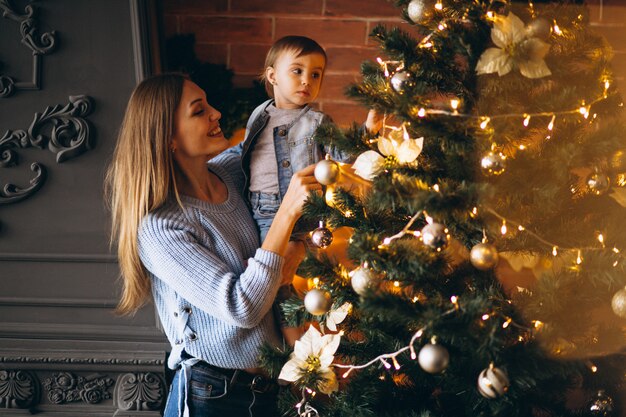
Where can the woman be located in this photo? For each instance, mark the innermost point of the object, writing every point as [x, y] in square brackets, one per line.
[185, 234]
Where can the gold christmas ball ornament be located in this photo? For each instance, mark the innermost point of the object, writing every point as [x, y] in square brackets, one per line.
[493, 382]
[363, 278]
[493, 163]
[435, 235]
[598, 183]
[321, 237]
[484, 256]
[539, 28]
[400, 80]
[326, 172]
[317, 302]
[433, 358]
[618, 303]
[601, 405]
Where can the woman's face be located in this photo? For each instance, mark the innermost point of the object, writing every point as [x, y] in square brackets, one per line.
[197, 133]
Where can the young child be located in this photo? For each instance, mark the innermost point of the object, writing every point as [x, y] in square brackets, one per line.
[279, 139]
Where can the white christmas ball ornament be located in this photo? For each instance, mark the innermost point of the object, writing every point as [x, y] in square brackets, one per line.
[399, 81]
[361, 279]
[492, 382]
[433, 358]
[326, 172]
[435, 235]
[317, 302]
[416, 9]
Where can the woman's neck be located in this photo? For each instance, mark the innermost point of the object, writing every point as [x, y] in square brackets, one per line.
[200, 183]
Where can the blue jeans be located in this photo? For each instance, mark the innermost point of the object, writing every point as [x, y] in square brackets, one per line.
[264, 208]
[213, 394]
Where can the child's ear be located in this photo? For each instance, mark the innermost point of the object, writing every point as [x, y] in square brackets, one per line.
[270, 74]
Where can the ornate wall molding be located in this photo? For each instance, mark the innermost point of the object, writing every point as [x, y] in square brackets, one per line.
[6, 360]
[39, 45]
[140, 392]
[70, 135]
[66, 387]
[18, 389]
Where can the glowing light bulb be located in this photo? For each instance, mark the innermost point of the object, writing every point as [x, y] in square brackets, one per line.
[421, 112]
[503, 229]
[485, 122]
[454, 103]
[554, 251]
[579, 259]
[526, 121]
[551, 124]
[506, 323]
[520, 228]
[485, 317]
[439, 5]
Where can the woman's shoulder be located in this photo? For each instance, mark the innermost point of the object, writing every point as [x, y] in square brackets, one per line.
[160, 220]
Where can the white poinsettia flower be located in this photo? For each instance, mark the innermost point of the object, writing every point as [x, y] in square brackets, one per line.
[338, 315]
[313, 354]
[514, 50]
[368, 164]
[405, 150]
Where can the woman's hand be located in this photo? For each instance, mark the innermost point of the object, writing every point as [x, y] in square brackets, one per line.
[290, 210]
[300, 185]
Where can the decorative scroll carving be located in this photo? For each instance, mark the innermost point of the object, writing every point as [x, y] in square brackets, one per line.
[39, 45]
[140, 392]
[70, 135]
[65, 387]
[18, 389]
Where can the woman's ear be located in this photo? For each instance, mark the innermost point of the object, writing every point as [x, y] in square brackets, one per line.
[270, 74]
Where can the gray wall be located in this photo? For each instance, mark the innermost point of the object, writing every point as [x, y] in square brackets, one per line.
[63, 351]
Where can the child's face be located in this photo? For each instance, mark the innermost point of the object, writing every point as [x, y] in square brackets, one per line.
[296, 79]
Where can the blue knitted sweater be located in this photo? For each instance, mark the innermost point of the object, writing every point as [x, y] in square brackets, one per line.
[213, 287]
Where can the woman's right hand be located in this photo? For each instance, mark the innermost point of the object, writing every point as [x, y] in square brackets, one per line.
[302, 182]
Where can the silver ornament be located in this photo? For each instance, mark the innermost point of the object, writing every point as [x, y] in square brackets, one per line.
[433, 358]
[362, 278]
[492, 382]
[317, 302]
[598, 183]
[435, 235]
[484, 256]
[400, 80]
[416, 10]
[601, 405]
[618, 303]
[326, 172]
[321, 237]
[539, 28]
[493, 163]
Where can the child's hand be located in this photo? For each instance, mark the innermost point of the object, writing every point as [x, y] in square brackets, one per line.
[293, 256]
[374, 121]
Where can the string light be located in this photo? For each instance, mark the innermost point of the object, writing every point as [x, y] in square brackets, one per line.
[503, 229]
[526, 120]
[551, 124]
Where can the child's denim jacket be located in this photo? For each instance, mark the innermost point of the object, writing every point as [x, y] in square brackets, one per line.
[293, 143]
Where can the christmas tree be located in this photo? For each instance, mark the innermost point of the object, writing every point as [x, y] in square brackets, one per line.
[483, 272]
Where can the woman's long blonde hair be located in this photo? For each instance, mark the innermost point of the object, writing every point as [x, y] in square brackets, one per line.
[141, 176]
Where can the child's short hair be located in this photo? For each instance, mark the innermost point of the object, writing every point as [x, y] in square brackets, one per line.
[299, 45]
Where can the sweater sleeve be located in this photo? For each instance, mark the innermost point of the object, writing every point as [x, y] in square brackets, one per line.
[170, 251]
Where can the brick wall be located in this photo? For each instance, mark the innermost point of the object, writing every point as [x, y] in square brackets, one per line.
[238, 33]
